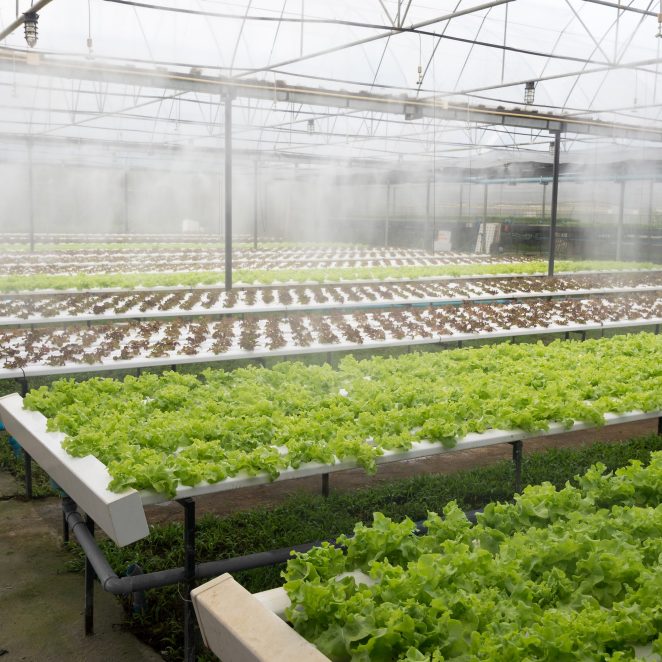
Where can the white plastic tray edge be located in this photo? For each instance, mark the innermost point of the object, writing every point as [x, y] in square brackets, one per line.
[419, 449]
[296, 308]
[239, 628]
[84, 479]
[122, 516]
[296, 283]
[70, 369]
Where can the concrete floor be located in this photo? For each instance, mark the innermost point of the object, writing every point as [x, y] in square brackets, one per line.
[41, 604]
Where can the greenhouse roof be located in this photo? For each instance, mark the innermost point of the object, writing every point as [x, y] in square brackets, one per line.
[349, 79]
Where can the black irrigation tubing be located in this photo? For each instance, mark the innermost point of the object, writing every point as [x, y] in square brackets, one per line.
[136, 583]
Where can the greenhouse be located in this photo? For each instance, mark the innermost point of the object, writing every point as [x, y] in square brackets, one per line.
[331, 330]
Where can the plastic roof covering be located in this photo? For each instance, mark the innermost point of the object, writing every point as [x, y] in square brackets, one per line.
[590, 59]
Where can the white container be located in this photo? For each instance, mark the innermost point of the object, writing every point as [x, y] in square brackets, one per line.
[237, 627]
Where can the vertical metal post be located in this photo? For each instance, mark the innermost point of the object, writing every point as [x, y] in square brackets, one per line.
[189, 570]
[89, 585]
[220, 205]
[65, 526]
[387, 219]
[126, 201]
[428, 217]
[459, 215]
[659, 425]
[30, 196]
[27, 464]
[255, 182]
[27, 458]
[228, 191]
[544, 200]
[434, 210]
[555, 202]
[325, 485]
[517, 461]
[650, 218]
[619, 227]
[483, 243]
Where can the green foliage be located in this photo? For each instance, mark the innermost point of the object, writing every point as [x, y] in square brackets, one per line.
[305, 518]
[17, 283]
[559, 574]
[161, 431]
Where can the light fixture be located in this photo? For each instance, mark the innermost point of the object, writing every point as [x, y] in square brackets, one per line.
[551, 148]
[311, 125]
[529, 92]
[419, 82]
[30, 19]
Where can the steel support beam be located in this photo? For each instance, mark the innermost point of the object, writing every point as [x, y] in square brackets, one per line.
[189, 572]
[126, 201]
[429, 234]
[518, 449]
[483, 243]
[228, 192]
[622, 7]
[90, 576]
[255, 198]
[387, 218]
[31, 196]
[27, 458]
[386, 35]
[555, 203]
[619, 227]
[438, 109]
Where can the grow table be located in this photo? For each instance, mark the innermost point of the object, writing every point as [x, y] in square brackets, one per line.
[122, 517]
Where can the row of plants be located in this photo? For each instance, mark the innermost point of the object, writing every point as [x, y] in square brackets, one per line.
[79, 345]
[260, 275]
[103, 262]
[160, 432]
[216, 247]
[304, 518]
[188, 302]
[560, 574]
